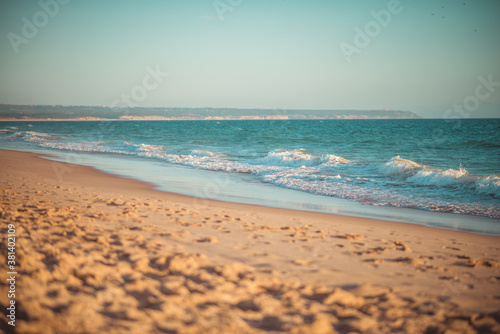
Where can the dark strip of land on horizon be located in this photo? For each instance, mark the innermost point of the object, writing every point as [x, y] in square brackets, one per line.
[59, 112]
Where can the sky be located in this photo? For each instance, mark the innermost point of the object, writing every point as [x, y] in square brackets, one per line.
[438, 58]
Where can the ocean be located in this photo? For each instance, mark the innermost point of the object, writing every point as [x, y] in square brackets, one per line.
[443, 173]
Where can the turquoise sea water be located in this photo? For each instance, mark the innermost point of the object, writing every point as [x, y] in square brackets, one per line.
[440, 172]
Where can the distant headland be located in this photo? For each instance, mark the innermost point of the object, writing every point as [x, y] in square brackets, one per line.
[102, 113]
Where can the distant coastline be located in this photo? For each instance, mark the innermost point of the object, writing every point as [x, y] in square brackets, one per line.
[33, 113]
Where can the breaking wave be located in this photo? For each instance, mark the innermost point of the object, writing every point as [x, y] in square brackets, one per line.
[398, 182]
[298, 158]
[398, 165]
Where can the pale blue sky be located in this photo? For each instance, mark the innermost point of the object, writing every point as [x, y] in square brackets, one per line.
[264, 54]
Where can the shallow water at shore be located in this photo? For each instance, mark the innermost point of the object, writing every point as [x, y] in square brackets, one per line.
[430, 172]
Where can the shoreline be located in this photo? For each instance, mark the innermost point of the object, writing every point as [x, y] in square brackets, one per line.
[337, 263]
[185, 198]
[199, 119]
[309, 202]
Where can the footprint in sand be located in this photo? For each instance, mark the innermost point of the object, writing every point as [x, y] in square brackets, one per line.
[372, 251]
[301, 262]
[373, 261]
[257, 254]
[348, 236]
[397, 245]
[209, 240]
[477, 263]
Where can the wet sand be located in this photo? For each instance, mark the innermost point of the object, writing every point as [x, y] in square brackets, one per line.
[100, 253]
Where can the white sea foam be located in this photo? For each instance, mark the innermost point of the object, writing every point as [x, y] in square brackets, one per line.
[398, 165]
[214, 163]
[154, 150]
[196, 158]
[205, 153]
[343, 187]
[274, 161]
[335, 185]
[81, 147]
[36, 137]
[299, 157]
[439, 177]
[52, 141]
[489, 185]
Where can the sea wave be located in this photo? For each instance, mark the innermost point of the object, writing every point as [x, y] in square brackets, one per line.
[30, 136]
[94, 147]
[8, 129]
[198, 158]
[481, 144]
[397, 182]
[205, 153]
[422, 175]
[439, 177]
[298, 158]
[274, 161]
[398, 165]
[489, 185]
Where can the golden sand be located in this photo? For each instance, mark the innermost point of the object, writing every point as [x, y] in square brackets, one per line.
[96, 253]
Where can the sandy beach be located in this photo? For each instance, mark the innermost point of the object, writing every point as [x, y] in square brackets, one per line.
[97, 253]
